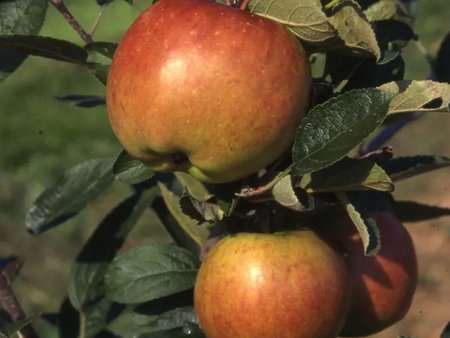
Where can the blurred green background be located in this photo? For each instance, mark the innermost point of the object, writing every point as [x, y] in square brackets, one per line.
[41, 137]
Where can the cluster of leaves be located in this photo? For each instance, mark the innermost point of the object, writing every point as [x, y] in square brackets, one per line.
[337, 158]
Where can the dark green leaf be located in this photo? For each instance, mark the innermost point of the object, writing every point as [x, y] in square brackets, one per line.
[150, 272]
[129, 170]
[189, 331]
[96, 317]
[405, 167]
[86, 283]
[19, 17]
[348, 174]
[100, 71]
[350, 72]
[334, 128]
[446, 331]
[133, 323]
[83, 101]
[99, 61]
[104, 48]
[201, 211]
[22, 16]
[9, 329]
[442, 65]
[392, 36]
[9, 62]
[188, 225]
[68, 320]
[62, 201]
[173, 227]
[409, 211]
[46, 47]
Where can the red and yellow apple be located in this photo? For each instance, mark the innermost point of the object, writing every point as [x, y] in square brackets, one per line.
[382, 285]
[208, 89]
[281, 285]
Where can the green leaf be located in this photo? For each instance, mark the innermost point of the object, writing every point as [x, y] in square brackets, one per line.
[201, 211]
[348, 174]
[19, 17]
[133, 323]
[106, 49]
[293, 198]
[197, 202]
[46, 47]
[100, 71]
[129, 170]
[22, 16]
[409, 211]
[401, 168]
[303, 18]
[367, 228]
[99, 60]
[96, 317]
[83, 101]
[150, 272]
[413, 96]
[354, 28]
[9, 329]
[86, 282]
[188, 225]
[68, 320]
[188, 332]
[332, 129]
[64, 200]
[194, 187]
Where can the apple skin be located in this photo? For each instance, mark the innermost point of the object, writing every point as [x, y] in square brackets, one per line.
[281, 285]
[382, 285]
[207, 89]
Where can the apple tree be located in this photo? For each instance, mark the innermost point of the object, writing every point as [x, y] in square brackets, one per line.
[257, 133]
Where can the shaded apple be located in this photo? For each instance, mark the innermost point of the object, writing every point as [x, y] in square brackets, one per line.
[287, 284]
[382, 285]
[208, 89]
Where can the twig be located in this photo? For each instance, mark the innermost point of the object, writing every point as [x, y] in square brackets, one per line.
[97, 21]
[10, 304]
[61, 7]
[244, 5]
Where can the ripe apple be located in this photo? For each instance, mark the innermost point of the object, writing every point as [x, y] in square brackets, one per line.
[285, 285]
[208, 89]
[382, 285]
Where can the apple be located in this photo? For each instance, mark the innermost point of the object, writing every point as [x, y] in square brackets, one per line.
[382, 285]
[208, 89]
[286, 284]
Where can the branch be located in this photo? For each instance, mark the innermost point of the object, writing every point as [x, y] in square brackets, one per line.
[8, 299]
[61, 7]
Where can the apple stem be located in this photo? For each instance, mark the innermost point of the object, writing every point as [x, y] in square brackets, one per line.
[244, 5]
